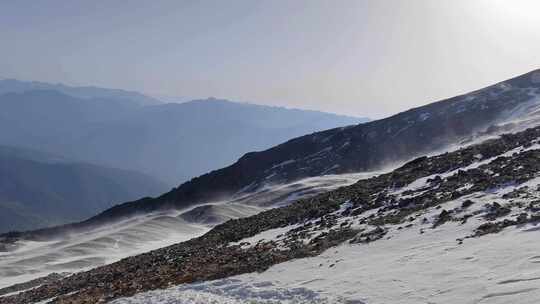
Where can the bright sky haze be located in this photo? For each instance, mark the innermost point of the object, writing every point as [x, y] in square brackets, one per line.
[363, 58]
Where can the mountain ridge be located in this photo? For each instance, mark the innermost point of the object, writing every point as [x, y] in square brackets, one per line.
[362, 147]
[86, 92]
[237, 176]
[476, 191]
[39, 190]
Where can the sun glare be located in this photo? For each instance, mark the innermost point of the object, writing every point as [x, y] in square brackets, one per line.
[521, 11]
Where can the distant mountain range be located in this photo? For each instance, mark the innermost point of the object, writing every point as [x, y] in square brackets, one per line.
[86, 92]
[172, 142]
[39, 189]
[58, 145]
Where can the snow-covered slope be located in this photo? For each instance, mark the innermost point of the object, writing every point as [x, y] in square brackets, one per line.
[77, 251]
[435, 255]
[428, 231]
[34, 259]
[458, 227]
[402, 268]
[509, 106]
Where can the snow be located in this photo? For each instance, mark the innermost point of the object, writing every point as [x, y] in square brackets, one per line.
[107, 244]
[415, 185]
[336, 166]
[19, 291]
[424, 116]
[51, 300]
[267, 235]
[346, 144]
[317, 155]
[417, 264]
[407, 268]
[465, 187]
[228, 291]
[283, 164]
[83, 251]
[283, 194]
[343, 207]
[422, 182]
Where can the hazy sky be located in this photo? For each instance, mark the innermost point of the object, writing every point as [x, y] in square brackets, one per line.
[370, 58]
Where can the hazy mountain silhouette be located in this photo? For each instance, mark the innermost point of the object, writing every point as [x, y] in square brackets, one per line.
[39, 189]
[172, 142]
[87, 92]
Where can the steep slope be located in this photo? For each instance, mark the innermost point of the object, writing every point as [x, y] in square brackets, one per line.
[172, 142]
[37, 259]
[510, 105]
[38, 189]
[430, 212]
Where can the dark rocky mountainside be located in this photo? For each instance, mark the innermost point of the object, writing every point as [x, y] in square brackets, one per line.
[509, 105]
[424, 194]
